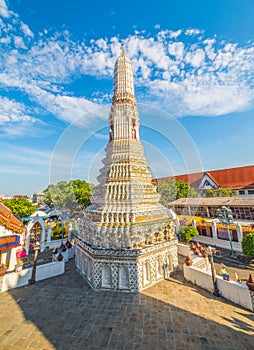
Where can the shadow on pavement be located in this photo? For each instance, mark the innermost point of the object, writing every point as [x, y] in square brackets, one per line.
[168, 315]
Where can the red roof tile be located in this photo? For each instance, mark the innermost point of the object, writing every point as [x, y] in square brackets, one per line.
[242, 177]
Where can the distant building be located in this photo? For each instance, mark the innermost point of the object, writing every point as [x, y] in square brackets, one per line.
[37, 197]
[242, 207]
[202, 213]
[239, 179]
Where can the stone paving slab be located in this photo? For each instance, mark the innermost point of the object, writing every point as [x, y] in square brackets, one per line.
[64, 313]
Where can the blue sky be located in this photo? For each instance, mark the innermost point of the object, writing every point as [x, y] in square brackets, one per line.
[193, 64]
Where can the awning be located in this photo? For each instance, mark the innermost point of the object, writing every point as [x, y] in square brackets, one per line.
[8, 242]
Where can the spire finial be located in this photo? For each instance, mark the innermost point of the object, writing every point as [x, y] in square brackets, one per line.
[122, 49]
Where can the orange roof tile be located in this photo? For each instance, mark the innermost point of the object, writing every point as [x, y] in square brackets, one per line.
[234, 177]
[242, 177]
[9, 220]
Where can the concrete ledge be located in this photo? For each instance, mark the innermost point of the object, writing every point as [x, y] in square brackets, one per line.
[183, 249]
[230, 290]
[18, 279]
[236, 292]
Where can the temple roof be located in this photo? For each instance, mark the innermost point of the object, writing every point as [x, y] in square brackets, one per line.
[238, 178]
[9, 220]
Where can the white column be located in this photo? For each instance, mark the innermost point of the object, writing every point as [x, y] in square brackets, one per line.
[49, 230]
[239, 232]
[214, 229]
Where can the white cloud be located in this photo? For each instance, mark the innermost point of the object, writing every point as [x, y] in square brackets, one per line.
[176, 75]
[6, 40]
[193, 31]
[4, 9]
[176, 49]
[26, 30]
[24, 155]
[195, 58]
[19, 43]
[174, 35]
[209, 49]
[67, 108]
[101, 136]
[12, 111]
[102, 44]
[217, 100]
[16, 121]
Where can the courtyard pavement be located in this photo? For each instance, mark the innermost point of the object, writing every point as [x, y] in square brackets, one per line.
[64, 313]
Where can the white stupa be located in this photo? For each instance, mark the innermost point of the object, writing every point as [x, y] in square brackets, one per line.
[127, 237]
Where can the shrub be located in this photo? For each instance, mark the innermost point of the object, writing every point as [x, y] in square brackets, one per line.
[57, 232]
[248, 244]
[188, 233]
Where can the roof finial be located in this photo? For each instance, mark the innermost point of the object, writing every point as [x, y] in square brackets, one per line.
[122, 49]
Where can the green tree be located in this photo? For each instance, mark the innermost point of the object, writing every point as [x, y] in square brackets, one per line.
[188, 233]
[68, 195]
[171, 190]
[20, 206]
[82, 192]
[248, 244]
[221, 192]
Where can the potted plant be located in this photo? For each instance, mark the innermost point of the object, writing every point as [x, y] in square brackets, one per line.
[188, 261]
[250, 283]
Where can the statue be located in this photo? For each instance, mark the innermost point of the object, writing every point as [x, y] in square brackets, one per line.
[223, 272]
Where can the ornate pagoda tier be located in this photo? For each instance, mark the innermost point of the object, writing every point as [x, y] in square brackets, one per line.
[125, 212]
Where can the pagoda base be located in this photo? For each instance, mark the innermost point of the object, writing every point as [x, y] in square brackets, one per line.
[125, 270]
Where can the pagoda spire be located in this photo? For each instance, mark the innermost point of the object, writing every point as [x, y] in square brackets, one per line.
[123, 80]
[122, 50]
[123, 118]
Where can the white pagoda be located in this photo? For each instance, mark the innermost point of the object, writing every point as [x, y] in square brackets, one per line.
[127, 238]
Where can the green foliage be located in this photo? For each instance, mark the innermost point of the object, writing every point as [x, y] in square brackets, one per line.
[20, 206]
[68, 195]
[221, 192]
[171, 190]
[58, 231]
[188, 233]
[82, 191]
[248, 244]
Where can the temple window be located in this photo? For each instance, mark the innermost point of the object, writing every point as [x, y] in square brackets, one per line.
[106, 277]
[147, 273]
[159, 267]
[123, 278]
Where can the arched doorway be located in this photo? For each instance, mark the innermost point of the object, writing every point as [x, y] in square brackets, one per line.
[36, 231]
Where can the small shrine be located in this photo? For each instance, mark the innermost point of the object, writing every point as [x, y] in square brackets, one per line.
[12, 236]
